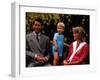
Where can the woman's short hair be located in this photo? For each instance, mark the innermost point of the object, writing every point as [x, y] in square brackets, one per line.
[80, 30]
[61, 24]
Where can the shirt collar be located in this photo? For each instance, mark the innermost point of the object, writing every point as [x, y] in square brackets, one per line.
[36, 34]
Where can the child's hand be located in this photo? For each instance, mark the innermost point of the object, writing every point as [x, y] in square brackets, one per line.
[57, 47]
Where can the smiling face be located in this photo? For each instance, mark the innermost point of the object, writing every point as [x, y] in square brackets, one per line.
[76, 36]
[37, 26]
[79, 33]
[60, 29]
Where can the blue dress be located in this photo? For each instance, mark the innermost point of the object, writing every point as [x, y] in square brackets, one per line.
[60, 42]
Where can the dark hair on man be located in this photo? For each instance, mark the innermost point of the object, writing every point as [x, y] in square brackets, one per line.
[39, 20]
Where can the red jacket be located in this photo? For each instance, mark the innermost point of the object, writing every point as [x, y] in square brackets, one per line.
[81, 56]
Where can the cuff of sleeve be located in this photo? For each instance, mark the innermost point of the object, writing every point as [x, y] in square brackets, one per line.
[46, 58]
[35, 55]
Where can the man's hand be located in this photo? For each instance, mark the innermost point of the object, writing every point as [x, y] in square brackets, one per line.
[41, 58]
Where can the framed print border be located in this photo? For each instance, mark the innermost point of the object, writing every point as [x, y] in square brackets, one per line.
[18, 40]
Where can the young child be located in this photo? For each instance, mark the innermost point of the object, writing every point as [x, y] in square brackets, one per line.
[58, 43]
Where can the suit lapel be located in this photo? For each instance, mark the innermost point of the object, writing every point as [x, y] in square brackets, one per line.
[41, 40]
[36, 42]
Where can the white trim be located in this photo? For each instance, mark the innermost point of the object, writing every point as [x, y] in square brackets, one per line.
[18, 40]
[76, 50]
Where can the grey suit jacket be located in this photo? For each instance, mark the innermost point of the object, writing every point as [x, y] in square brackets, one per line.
[34, 47]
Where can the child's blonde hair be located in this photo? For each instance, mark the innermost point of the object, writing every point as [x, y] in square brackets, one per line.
[61, 24]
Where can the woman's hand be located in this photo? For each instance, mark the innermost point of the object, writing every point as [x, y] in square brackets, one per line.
[75, 62]
[65, 62]
[70, 63]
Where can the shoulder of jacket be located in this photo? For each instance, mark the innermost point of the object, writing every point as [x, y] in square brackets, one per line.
[29, 35]
[44, 36]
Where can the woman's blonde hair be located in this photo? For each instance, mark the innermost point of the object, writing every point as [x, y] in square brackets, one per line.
[80, 30]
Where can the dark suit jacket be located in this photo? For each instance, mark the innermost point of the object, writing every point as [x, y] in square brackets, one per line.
[34, 47]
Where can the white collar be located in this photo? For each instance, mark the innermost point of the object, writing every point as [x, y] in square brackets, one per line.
[36, 34]
[79, 47]
[76, 50]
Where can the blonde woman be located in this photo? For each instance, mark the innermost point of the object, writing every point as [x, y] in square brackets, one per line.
[79, 49]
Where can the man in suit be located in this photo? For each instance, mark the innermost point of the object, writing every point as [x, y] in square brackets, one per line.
[37, 46]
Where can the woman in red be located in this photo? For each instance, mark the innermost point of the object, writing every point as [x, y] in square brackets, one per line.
[79, 49]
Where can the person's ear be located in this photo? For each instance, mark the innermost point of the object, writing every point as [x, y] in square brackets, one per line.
[33, 26]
